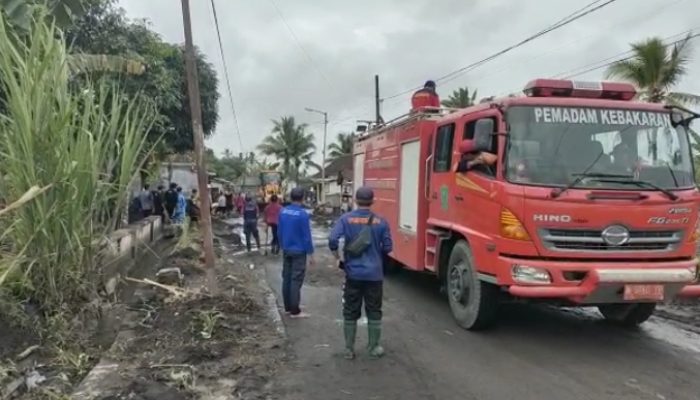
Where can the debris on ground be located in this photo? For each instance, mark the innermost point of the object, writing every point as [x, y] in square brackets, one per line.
[197, 345]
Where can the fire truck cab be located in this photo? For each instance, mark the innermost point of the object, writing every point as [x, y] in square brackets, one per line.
[591, 201]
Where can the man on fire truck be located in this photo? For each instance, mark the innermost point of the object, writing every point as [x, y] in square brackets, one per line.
[426, 97]
[470, 159]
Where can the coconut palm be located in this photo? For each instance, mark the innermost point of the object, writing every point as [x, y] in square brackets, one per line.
[460, 98]
[290, 144]
[342, 146]
[655, 68]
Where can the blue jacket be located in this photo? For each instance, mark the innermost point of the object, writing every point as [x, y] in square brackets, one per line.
[294, 230]
[370, 266]
[250, 213]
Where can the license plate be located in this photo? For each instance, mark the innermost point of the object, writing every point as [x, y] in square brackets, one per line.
[644, 292]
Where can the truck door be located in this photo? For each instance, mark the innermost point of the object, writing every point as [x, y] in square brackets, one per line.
[442, 177]
[476, 204]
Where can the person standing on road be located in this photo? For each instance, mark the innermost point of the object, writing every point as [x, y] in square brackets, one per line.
[170, 198]
[146, 199]
[221, 204]
[297, 249]
[250, 222]
[367, 241]
[271, 214]
[180, 208]
[158, 208]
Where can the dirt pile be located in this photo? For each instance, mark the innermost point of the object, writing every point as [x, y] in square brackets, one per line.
[194, 345]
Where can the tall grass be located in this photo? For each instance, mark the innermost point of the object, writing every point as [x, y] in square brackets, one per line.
[85, 144]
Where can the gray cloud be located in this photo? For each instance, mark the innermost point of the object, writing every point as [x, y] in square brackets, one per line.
[405, 42]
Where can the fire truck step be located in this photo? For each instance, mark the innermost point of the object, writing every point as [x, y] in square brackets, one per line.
[436, 232]
[431, 250]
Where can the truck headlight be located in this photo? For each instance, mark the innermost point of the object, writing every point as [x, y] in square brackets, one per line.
[527, 274]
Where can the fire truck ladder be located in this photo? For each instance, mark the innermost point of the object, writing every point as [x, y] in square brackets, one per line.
[433, 241]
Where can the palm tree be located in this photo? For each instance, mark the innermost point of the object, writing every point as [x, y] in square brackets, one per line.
[655, 68]
[342, 146]
[460, 98]
[290, 144]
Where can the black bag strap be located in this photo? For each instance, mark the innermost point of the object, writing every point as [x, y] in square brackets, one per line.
[370, 220]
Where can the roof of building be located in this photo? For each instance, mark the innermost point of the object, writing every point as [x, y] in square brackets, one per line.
[341, 164]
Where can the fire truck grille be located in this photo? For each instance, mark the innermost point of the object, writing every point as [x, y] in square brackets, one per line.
[592, 240]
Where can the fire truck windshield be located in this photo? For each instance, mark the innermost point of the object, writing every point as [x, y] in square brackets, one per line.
[555, 146]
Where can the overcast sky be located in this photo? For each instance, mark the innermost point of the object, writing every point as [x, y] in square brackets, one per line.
[341, 44]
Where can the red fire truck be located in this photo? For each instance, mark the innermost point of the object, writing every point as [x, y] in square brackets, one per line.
[591, 201]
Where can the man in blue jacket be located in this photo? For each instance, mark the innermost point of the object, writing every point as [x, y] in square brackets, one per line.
[364, 272]
[294, 231]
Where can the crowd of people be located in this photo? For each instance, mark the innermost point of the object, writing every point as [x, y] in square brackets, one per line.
[366, 236]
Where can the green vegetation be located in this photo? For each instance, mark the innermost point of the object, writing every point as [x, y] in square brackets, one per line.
[84, 145]
[460, 98]
[656, 68]
[341, 147]
[290, 144]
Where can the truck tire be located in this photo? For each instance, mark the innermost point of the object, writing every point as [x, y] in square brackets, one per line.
[474, 303]
[627, 315]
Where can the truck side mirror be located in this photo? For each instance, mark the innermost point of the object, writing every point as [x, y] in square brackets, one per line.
[483, 131]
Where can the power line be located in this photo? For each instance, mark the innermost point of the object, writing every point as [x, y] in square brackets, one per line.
[228, 80]
[301, 47]
[580, 13]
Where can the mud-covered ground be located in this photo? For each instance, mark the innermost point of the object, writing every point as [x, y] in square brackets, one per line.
[198, 346]
[536, 352]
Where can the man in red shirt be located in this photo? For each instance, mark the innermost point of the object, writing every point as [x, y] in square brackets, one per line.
[426, 97]
[271, 214]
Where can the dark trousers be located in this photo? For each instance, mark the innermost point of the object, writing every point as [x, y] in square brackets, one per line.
[251, 229]
[146, 213]
[293, 272]
[275, 239]
[355, 293]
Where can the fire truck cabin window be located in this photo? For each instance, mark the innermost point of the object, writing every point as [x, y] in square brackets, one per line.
[444, 144]
[551, 146]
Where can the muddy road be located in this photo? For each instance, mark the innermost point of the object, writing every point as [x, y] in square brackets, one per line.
[535, 353]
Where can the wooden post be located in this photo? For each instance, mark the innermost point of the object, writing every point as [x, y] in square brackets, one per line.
[198, 132]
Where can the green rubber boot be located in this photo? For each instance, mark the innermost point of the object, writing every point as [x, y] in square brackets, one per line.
[350, 331]
[374, 333]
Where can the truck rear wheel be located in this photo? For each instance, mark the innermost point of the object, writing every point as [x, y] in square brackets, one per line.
[474, 303]
[628, 315]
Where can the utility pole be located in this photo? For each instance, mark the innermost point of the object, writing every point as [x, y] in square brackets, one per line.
[322, 196]
[198, 132]
[378, 116]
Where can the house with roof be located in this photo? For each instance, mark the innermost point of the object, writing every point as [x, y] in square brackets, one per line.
[338, 181]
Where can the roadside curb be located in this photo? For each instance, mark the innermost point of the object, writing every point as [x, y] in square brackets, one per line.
[273, 310]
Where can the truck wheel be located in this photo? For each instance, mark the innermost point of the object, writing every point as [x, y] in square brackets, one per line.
[474, 303]
[627, 315]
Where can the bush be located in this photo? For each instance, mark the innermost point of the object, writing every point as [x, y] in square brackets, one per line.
[84, 145]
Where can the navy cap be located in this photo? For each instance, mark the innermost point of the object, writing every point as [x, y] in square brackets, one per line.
[297, 194]
[430, 84]
[364, 194]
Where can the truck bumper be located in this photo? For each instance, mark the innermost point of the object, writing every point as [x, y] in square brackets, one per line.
[604, 282]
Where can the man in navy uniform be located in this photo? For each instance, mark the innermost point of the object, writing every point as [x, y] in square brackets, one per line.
[294, 231]
[367, 242]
